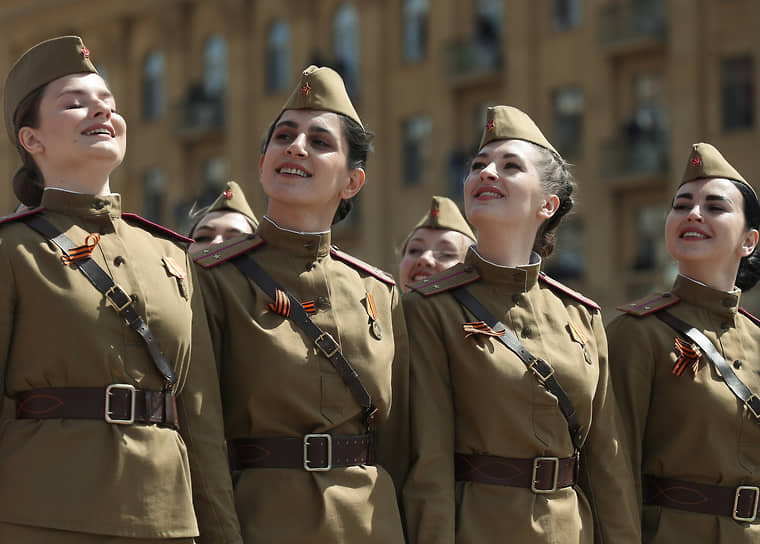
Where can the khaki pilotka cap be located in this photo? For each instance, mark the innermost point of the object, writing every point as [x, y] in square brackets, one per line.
[705, 161]
[321, 89]
[510, 123]
[443, 214]
[39, 66]
[231, 199]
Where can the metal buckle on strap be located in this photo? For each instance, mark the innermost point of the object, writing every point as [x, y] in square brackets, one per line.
[555, 467]
[306, 462]
[536, 366]
[113, 293]
[327, 345]
[109, 413]
[739, 491]
[756, 408]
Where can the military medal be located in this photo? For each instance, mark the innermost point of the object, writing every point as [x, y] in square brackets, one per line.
[577, 334]
[369, 305]
[175, 270]
[687, 355]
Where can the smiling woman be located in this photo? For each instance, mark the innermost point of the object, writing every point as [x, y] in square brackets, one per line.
[311, 342]
[108, 404]
[685, 367]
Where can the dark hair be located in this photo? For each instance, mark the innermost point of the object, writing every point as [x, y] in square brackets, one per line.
[556, 179]
[749, 266]
[359, 143]
[27, 181]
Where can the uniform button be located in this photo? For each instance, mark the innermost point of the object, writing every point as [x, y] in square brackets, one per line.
[118, 260]
[664, 295]
[323, 302]
[738, 364]
[99, 204]
[515, 298]
[728, 302]
[133, 297]
[309, 267]
[725, 326]
[468, 268]
[309, 245]
[527, 332]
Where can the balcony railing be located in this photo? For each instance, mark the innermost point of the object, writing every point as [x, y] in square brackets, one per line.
[472, 58]
[637, 156]
[199, 114]
[635, 20]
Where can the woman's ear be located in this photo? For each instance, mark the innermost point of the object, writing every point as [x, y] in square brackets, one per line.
[355, 182]
[27, 136]
[750, 242]
[549, 207]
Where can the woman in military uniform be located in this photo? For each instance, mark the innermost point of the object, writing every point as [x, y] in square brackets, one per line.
[686, 366]
[438, 241]
[513, 419]
[311, 342]
[227, 217]
[106, 351]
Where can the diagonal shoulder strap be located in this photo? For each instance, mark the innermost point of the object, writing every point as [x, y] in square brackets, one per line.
[542, 370]
[114, 293]
[737, 387]
[323, 340]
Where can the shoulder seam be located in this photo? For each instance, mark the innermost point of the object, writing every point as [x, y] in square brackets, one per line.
[156, 227]
[551, 282]
[219, 256]
[382, 275]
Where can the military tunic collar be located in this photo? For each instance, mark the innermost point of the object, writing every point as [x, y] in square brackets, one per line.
[712, 300]
[300, 244]
[81, 204]
[522, 277]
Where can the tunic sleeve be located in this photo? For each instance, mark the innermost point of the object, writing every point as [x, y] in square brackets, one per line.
[606, 468]
[429, 491]
[202, 429]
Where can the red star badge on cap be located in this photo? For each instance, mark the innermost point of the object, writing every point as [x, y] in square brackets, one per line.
[305, 88]
[434, 212]
[85, 52]
[696, 161]
[490, 125]
[227, 194]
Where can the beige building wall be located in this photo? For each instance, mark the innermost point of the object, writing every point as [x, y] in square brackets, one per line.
[623, 56]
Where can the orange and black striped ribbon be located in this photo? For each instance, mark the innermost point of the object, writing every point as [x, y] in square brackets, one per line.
[688, 356]
[281, 304]
[310, 307]
[79, 253]
[480, 327]
[371, 308]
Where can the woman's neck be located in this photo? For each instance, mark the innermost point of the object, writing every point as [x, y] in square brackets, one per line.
[711, 275]
[91, 182]
[298, 219]
[495, 245]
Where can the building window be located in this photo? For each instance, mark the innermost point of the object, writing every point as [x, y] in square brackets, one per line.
[215, 66]
[416, 148]
[214, 173]
[153, 86]
[278, 57]
[415, 15]
[567, 105]
[154, 193]
[345, 33]
[650, 249]
[738, 92]
[566, 14]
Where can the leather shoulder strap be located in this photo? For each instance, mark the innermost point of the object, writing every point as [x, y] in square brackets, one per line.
[220, 253]
[457, 276]
[650, 304]
[115, 294]
[156, 228]
[17, 216]
[361, 265]
[542, 371]
[561, 287]
[737, 387]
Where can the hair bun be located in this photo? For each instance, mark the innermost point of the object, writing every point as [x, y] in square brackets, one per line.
[27, 186]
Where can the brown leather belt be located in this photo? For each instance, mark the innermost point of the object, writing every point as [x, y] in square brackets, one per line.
[116, 403]
[540, 475]
[738, 502]
[312, 452]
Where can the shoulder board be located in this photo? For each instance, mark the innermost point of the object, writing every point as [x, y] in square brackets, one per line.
[749, 316]
[156, 228]
[456, 276]
[361, 265]
[554, 284]
[219, 253]
[650, 304]
[16, 216]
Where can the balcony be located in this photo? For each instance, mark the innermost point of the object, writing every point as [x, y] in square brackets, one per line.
[471, 60]
[200, 115]
[635, 157]
[633, 25]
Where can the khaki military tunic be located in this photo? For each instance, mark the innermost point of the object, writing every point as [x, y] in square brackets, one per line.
[475, 396]
[689, 427]
[56, 330]
[276, 384]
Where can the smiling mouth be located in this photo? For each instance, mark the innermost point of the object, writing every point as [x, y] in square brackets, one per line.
[293, 172]
[693, 235]
[100, 130]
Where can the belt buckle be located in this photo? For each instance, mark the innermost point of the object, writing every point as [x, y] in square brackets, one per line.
[536, 462]
[331, 347]
[534, 367]
[108, 412]
[306, 463]
[753, 489]
[113, 292]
